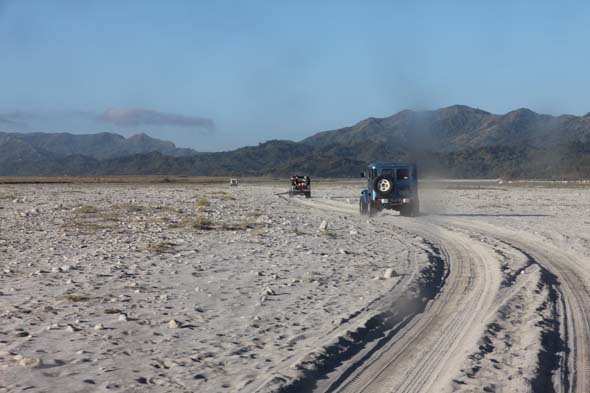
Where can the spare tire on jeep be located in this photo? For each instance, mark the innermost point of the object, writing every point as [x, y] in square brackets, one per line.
[383, 185]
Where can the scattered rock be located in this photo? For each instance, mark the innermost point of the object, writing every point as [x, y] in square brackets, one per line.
[389, 273]
[107, 268]
[30, 362]
[269, 291]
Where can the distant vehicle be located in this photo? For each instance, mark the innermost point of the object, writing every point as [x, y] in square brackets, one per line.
[300, 185]
[390, 186]
[233, 182]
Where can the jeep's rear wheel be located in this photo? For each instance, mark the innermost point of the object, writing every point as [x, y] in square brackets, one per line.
[405, 210]
[416, 210]
[362, 206]
[410, 210]
[308, 194]
[372, 209]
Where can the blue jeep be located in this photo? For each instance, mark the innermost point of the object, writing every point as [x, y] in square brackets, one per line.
[390, 186]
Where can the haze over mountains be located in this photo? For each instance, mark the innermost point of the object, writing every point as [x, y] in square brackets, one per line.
[452, 141]
[460, 127]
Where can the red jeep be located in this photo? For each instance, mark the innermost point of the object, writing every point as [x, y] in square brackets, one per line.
[300, 185]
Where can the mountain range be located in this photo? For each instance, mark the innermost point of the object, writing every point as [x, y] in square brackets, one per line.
[459, 127]
[456, 141]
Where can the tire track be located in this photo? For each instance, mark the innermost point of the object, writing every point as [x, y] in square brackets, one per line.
[564, 368]
[427, 355]
[574, 279]
[428, 350]
[364, 330]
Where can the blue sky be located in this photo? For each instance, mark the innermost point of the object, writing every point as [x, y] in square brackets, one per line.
[215, 75]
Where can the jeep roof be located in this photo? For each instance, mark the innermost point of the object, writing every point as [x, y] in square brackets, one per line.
[377, 168]
[388, 165]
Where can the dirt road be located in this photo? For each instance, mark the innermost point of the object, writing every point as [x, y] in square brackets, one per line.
[508, 296]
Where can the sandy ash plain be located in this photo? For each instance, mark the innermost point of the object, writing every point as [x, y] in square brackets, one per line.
[187, 287]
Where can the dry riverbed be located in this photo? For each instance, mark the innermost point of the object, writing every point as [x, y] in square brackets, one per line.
[168, 287]
[171, 287]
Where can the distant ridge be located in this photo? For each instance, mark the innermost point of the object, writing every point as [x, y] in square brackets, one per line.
[101, 145]
[456, 141]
